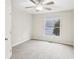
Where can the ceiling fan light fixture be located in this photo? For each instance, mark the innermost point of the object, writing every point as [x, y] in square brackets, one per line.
[39, 8]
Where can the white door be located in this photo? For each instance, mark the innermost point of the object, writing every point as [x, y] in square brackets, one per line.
[8, 29]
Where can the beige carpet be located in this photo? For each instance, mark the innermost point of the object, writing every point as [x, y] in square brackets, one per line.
[42, 50]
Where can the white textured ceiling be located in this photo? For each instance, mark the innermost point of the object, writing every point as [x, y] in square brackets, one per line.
[60, 5]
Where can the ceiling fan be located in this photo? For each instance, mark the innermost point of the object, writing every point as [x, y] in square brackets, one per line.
[40, 5]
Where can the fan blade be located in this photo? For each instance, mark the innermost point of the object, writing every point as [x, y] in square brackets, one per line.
[30, 7]
[49, 3]
[48, 8]
[33, 1]
[40, 1]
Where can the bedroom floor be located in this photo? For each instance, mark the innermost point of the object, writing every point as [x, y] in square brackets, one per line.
[34, 49]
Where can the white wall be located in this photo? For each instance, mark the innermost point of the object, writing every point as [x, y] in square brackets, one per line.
[21, 26]
[66, 24]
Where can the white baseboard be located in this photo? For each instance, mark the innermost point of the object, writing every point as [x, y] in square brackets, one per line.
[18, 43]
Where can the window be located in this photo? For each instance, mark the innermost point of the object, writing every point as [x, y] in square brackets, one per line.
[52, 26]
